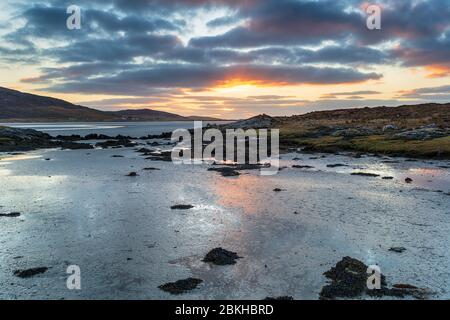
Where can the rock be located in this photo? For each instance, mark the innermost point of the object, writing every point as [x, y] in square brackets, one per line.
[408, 180]
[144, 150]
[116, 156]
[115, 144]
[181, 207]
[397, 249]
[365, 174]
[221, 257]
[15, 139]
[278, 190]
[387, 178]
[75, 146]
[390, 127]
[404, 286]
[150, 169]
[296, 166]
[353, 132]
[10, 215]
[225, 171]
[132, 174]
[421, 134]
[27, 273]
[336, 165]
[181, 286]
[349, 280]
[286, 298]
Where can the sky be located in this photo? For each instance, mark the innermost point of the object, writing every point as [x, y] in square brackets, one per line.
[227, 58]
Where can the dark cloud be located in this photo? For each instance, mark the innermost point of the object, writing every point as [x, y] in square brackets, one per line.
[136, 48]
[139, 81]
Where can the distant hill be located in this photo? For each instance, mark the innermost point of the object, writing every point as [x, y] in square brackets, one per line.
[154, 115]
[16, 106]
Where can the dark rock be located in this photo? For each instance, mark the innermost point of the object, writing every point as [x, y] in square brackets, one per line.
[404, 286]
[408, 180]
[132, 174]
[15, 139]
[73, 137]
[181, 286]
[286, 298]
[365, 174]
[116, 156]
[10, 215]
[387, 178]
[75, 146]
[296, 166]
[221, 257]
[349, 280]
[116, 143]
[27, 273]
[150, 169]
[144, 150]
[225, 171]
[397, 249]
[181, 207]
[278, 190]
[336, 165]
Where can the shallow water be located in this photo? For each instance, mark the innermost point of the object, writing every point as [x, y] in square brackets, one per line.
[133, 129]
[80, 208]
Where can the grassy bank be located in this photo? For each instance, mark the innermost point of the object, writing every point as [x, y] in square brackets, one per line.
[379, 144]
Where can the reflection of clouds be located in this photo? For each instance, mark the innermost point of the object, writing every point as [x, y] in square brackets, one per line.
[17, 157]
[239, 192]
[429, 171]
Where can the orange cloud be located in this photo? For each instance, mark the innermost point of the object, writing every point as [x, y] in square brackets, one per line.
[437, 71]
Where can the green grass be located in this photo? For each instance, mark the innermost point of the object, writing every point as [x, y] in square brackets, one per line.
[439, 147]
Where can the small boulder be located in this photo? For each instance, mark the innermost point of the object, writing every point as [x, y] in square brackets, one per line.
[221, 257]
[27, 273]
[181, 207]
[397, 249]
[10, 215]
[181, 286]
[365, 174]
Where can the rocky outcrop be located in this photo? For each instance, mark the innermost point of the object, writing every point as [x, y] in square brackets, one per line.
[14, 139]
[258, 122]
[424, 133]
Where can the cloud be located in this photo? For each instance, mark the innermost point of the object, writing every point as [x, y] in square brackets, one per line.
[139, 81]
[440, 93]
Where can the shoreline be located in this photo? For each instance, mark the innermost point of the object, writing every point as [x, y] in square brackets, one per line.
[129, 231]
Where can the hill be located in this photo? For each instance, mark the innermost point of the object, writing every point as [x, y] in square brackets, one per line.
[16, 106]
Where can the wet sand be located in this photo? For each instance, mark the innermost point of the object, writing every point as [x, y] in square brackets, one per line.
[81, 208]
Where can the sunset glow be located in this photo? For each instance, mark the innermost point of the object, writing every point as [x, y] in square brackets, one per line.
[220, 58]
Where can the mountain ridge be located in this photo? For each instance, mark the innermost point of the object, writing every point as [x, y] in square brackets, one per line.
[17, 106]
